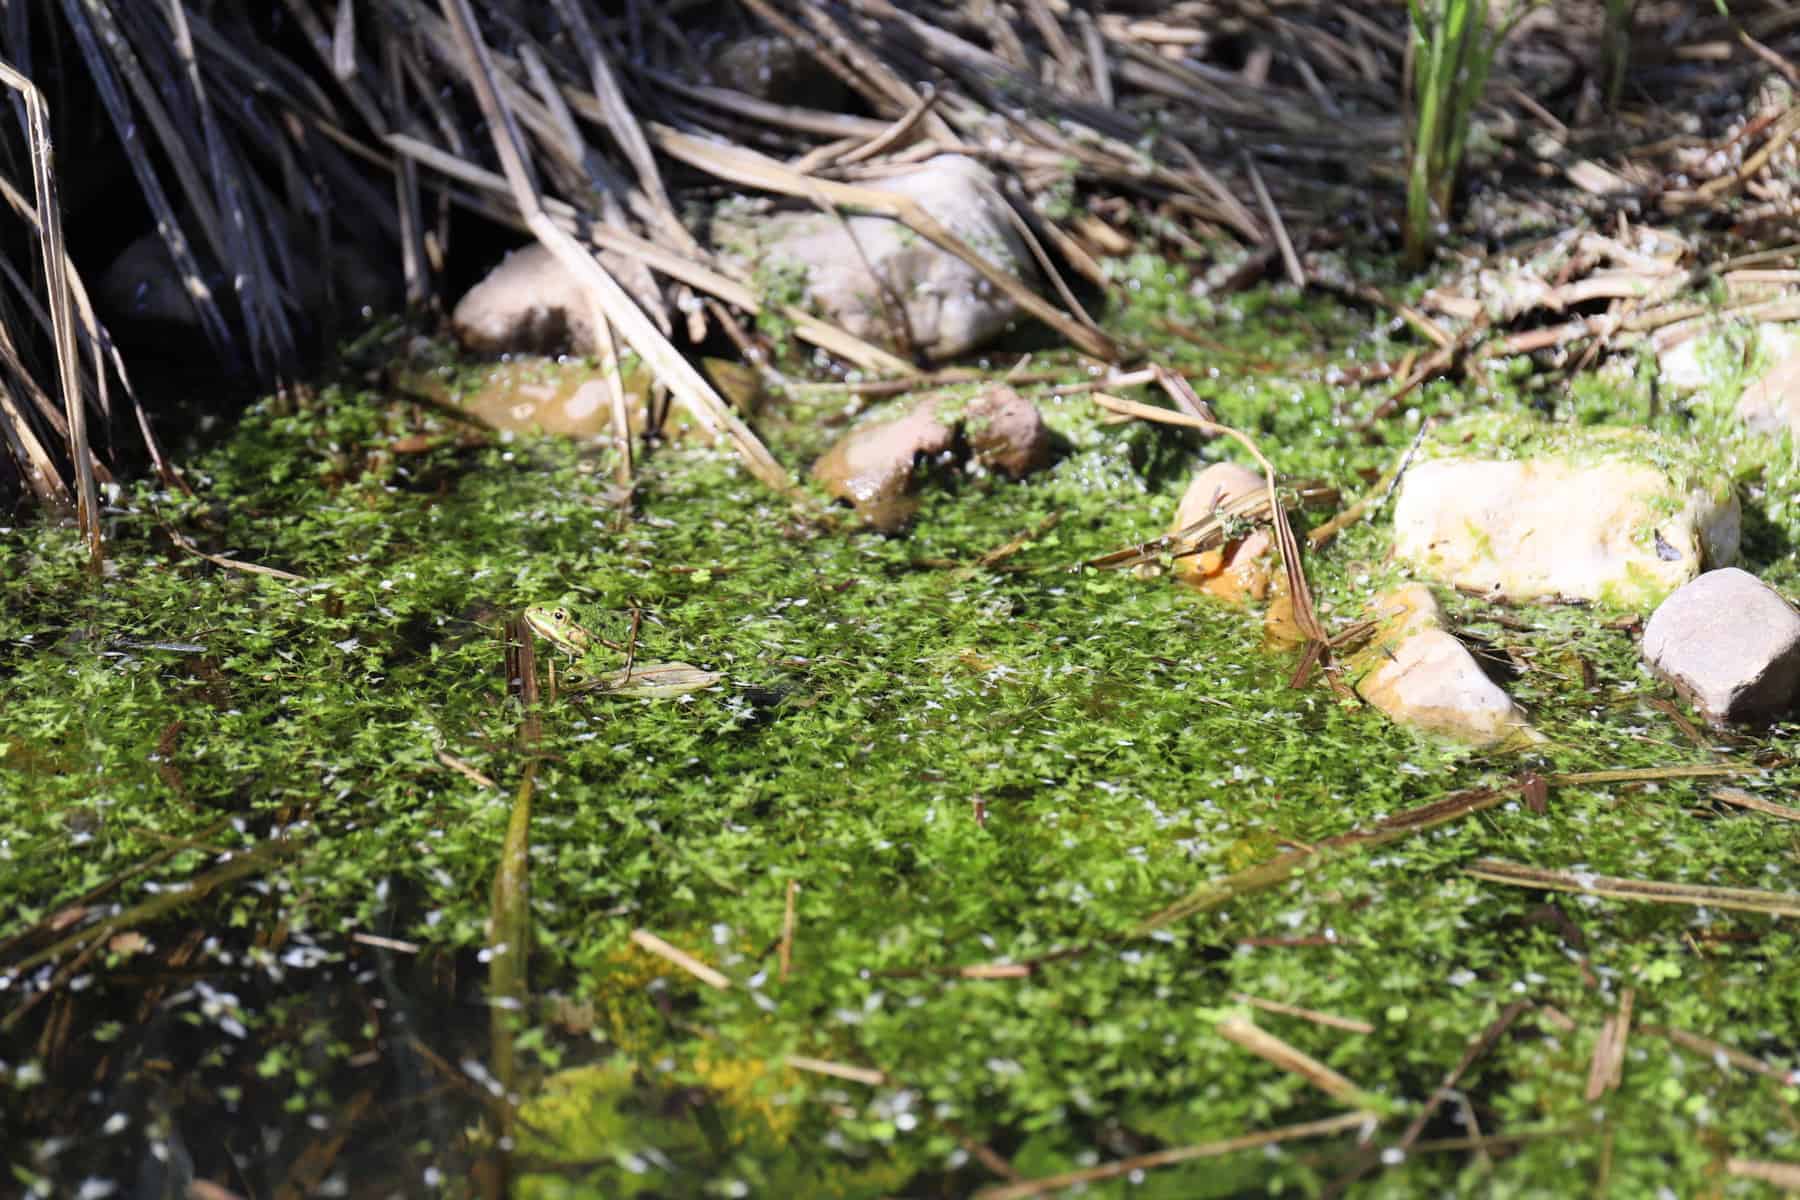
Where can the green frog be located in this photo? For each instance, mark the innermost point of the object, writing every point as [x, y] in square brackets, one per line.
[559, 627]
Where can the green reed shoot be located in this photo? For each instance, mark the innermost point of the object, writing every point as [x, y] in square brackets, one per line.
[1615, 48]
[1452, 49]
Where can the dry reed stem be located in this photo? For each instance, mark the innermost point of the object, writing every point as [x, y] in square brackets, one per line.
[785, 952]
[837, 1070]
[1291, 1059]
[1330, 1021]
[62, 320]
[681, 958]
[1027, 1188]
[1493, 870]
[1742, 799]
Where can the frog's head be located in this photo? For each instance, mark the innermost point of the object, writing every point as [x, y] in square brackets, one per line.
[558, 626]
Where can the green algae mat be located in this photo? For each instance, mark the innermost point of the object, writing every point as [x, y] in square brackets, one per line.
[968, 875]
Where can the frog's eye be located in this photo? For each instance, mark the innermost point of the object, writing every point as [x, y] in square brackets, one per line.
[561, 614]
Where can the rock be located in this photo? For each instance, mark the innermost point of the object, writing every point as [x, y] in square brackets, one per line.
[539, 395]
[1730, 644]
[1614, 515]
[775, 69]
[1240, 570]
[871, 466]
[1772, 403]
[1694, 363]
[1006, 433]
[944, 307]
[1416, 672]
[530, 305]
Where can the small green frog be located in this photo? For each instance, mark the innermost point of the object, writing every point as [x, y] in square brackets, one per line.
[558, 627]
[657, 680]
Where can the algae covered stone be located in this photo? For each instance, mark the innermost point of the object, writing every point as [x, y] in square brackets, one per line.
[1519, 510]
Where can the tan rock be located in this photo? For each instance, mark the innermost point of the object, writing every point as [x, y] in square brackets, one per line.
[530, 305]
[1772, 403]
[526, 394]
[1416, 672]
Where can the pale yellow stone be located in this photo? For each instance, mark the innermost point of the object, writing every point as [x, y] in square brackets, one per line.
[1418, 674]
[1616, 530]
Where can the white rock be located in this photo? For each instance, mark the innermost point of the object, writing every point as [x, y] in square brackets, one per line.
[1420, 675]
[1772, 403]
[1618, 530]
[1730, 644]
[948, 307]
[1694, 363]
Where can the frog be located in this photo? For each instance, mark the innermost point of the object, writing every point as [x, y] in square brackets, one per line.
[556, 625]
[559, 627]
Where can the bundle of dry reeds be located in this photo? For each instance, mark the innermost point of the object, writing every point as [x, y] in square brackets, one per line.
[1206, 128]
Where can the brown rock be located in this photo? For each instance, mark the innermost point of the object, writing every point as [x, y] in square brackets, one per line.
[538, 395]
[1006, 433]
[871, 466]
[1730, 644]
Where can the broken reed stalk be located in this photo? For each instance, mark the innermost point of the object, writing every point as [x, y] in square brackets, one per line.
[1606, 1069]
[1739, 798]
[1493, 870]
[1719, 1054]
[1305, 616]
[509, 909]
[1329, 1020]
[670, 366]
[1289, 1058]
[62, 319]
[837, 1070]
[681, 958]
[1027, 1188]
